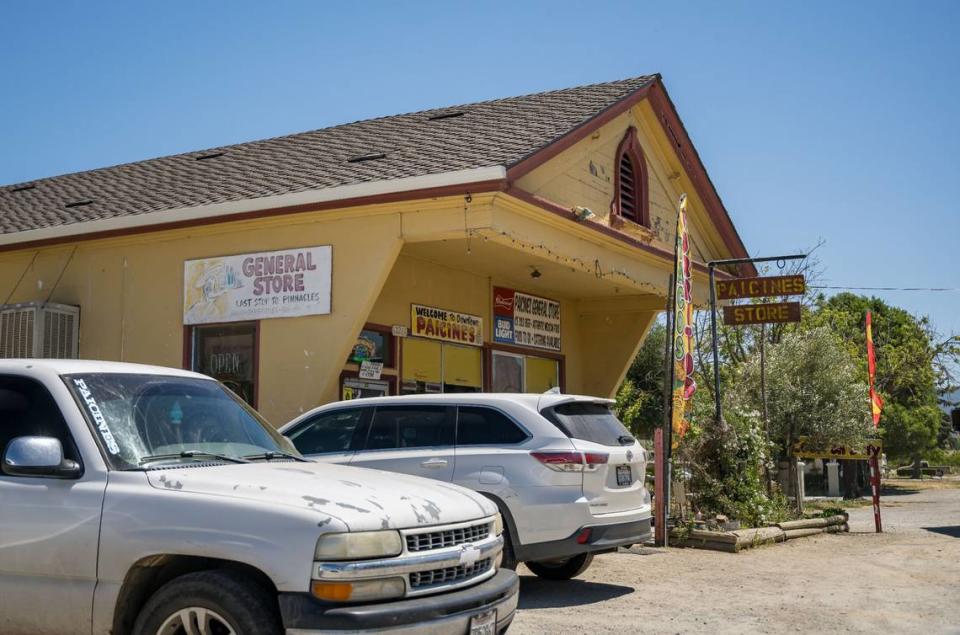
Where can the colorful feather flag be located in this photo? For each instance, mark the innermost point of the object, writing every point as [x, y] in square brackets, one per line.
[683, 383]
[876, 402]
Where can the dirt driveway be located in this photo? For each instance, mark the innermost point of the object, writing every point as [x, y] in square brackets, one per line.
[906, 580]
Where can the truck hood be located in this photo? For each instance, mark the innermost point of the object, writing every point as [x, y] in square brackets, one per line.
[362, 499]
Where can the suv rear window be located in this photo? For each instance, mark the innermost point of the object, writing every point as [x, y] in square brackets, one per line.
[587, 421]
[484, 426]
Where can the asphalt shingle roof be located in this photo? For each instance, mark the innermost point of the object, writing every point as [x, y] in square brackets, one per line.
[501, 132]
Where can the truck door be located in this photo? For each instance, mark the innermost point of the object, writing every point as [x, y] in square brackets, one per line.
[49, 527]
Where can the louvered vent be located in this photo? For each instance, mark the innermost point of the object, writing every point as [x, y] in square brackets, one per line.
[32, 330]
[59, 335]
[16, 333]
[628, 194]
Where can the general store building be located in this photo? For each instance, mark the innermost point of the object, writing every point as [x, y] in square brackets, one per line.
[512, 245]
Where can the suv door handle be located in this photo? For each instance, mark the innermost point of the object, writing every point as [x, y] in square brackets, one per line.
[434, 463]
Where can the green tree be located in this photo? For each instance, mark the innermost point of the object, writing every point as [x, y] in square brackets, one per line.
[911, 431]
[814, 390]
[914, 367]
[640, 398]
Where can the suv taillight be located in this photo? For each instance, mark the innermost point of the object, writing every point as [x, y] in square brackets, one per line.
[562, 461]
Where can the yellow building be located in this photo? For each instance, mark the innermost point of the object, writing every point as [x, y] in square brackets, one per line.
[517, 244]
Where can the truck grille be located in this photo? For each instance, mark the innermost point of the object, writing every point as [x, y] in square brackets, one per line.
[447, 537]
[448, 575]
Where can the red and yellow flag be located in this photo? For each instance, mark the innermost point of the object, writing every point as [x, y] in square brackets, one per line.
[876, 402]
[683, 383]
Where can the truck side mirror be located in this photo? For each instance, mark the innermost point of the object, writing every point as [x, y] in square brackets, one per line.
[38, 456]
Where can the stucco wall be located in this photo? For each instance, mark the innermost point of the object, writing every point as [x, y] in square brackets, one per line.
[131, 292]
[583, 175]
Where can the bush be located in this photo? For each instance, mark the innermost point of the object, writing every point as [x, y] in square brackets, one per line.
[948, 458]
[727, 468]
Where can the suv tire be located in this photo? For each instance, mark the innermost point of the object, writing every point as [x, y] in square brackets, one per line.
[561, 569]
[225, 601]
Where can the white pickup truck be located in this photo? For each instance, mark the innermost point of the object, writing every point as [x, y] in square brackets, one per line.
[137, 499]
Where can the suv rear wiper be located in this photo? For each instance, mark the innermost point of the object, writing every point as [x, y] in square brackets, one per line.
[625, 439]
[276, 454]
[190, 454]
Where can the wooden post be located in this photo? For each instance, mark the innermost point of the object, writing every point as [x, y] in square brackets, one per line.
[875, 483]
[798, 485]
[659, 491]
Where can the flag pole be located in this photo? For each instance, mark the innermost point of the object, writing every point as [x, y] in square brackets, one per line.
[876, 408]
[676, 281]
[660, 462]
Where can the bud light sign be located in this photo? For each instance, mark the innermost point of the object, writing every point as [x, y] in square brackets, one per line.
[527, 320]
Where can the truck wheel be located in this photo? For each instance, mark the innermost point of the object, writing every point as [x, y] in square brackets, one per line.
[209, 603]
[561, 569]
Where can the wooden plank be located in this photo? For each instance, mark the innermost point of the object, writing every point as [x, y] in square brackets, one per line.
[790, 534]
[804, 523]
[711, 536]
[710, 545]
[760, 535]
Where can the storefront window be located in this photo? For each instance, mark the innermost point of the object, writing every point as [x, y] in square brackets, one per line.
[430, 366]
[507, 372]
[373, 346]
[540, 374]
[462, 368]
[356, 388]
[524, 373]
[228, 353]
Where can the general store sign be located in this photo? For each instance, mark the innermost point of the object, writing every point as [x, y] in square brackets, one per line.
[871, 450]
[522, 319]
[760, 287]
[449, 326]
[777, 312]
[257, 286]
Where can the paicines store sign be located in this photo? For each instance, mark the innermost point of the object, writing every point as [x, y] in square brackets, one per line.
[522, 319]
[449, 326]
[256, 286]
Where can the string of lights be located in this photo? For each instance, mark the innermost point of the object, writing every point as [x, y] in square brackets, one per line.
[574, 263]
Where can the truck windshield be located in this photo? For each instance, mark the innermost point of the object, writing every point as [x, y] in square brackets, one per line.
[142, 420]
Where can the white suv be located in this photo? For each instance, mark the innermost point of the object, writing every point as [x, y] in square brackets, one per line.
[565, 473]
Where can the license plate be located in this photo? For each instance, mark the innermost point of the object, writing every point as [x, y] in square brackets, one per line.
[484, 623]
[624, 475]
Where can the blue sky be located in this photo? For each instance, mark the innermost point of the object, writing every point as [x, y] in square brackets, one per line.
[816, 120]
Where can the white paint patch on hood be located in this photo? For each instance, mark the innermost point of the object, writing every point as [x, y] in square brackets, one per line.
[363, 499]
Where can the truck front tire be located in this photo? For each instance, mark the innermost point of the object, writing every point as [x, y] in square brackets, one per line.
[210, 603]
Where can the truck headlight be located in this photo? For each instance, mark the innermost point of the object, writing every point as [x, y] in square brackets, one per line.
[359, 590]
[497, 524]
[358, 545]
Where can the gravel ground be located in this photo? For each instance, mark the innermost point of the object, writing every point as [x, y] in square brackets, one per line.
[906, 580]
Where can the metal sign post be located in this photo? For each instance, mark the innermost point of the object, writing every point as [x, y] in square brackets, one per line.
[747, 292]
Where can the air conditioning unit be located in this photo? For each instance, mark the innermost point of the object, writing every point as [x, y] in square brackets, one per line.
[37, 329]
